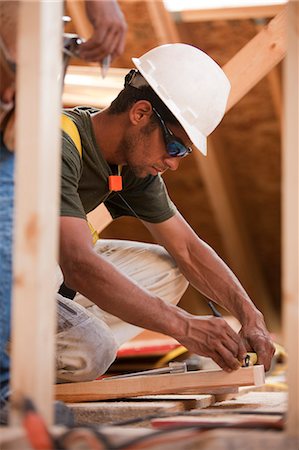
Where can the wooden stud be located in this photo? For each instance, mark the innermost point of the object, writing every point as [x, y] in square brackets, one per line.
[290, 219]
[245, 12]
[83, 85]
[162, 22]
[202, 381]
[274, 80]
[37, 201]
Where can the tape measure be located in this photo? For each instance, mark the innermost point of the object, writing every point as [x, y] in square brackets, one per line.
[250, 359]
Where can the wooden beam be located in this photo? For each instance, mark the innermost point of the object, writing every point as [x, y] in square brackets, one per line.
[241, 257]
[290, 219]
[256, 59]
[37, 201]
[245, 12]
[84, 85]
[202, 381]
[162, 22]
[274, 81]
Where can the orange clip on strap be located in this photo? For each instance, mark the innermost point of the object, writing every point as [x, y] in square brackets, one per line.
[115, 183]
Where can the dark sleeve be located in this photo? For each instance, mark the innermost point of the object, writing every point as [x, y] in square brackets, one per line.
[71, 168]
[145, 198]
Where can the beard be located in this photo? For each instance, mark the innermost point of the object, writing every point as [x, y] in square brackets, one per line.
[129, 147]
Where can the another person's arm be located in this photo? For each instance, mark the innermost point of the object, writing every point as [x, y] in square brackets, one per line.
[109, 33]
[206, 271]
[8, 59]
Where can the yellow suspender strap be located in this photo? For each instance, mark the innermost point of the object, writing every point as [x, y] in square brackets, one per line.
[71, 129]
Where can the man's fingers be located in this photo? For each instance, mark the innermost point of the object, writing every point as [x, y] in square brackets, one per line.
[265, 352]
[234, 343]
[259, 341]
[225, 360]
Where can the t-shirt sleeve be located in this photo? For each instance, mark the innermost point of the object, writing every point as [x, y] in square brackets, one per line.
[71, 168]
[145, 198]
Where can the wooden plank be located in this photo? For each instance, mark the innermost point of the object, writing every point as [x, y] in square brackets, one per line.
[107, 412]
[256, 58]
[202, 381]
[244, 12]
[274, 80]
[231, 420]
[189, 401]
[162, 22]
[83, 85]
[290, 213]
[37, 200]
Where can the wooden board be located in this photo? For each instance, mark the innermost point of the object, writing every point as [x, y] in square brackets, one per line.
[233, 420]
[290, 218]
[112, 411]
[245, 12]
[203, 382]
[256, 59]
[189, 401]
[37, 203]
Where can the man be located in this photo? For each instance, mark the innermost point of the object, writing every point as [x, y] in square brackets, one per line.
[168, 106]
[108, 38]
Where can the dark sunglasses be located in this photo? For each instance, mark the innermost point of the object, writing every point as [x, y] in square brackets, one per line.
[174, 145]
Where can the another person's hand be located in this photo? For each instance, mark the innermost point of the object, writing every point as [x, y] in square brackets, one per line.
[109, 31]
[213, 337]
[256, 338]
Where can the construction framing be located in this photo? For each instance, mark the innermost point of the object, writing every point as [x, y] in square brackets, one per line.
[36, 203]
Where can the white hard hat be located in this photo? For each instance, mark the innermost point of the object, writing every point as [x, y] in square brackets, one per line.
[191, 84]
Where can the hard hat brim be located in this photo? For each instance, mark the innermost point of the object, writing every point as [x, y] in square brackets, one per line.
[198, 140]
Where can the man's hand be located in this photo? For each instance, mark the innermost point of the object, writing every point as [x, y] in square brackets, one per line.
[109, 31]
[257, 339]
[213, 337]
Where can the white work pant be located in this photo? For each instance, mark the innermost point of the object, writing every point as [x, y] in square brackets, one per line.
[88, 337]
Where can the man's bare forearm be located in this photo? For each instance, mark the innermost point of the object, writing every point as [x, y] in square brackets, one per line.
[210, 275]
[103, 284]
[113, 292]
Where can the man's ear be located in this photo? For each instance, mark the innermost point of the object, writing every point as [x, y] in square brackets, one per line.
[140, 112]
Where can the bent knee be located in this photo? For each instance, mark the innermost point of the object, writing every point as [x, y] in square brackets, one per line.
[86, 354]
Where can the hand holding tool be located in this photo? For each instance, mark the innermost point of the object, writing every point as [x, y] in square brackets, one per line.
[71, 43]
[251, 357]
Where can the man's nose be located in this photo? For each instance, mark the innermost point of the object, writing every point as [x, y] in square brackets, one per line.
[172, 163]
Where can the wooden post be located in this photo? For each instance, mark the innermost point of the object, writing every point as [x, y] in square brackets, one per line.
[290, 212]
[37, 195]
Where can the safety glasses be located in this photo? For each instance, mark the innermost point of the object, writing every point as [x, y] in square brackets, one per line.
[174, 145]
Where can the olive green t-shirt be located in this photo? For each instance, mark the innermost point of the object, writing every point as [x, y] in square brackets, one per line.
[84, 182]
